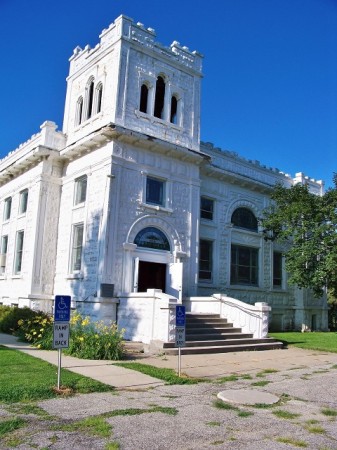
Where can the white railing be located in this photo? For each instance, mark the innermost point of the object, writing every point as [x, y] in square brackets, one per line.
[250, 318]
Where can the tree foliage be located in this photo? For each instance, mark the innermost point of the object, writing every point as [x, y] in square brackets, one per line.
[307, 226]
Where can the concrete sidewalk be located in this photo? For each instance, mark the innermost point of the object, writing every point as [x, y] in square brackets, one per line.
[103, 371]
[198, 366]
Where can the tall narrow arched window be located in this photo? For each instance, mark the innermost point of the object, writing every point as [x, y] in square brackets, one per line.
[159, 99]
[79, 111]
[99, 94]
[144, 95]
[244, 218]
[174, 110]
[90, 98]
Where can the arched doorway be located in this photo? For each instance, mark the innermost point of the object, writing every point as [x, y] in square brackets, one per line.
[150, 269]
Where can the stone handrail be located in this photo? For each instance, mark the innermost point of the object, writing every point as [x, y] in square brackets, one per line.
[250, 318]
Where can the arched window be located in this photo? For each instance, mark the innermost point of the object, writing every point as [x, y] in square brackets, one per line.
[90, 98]
[144, 95]
[174, 110]
[79, 111]
[151, 237]
[244, 218]
[159, 99]
[99, 94]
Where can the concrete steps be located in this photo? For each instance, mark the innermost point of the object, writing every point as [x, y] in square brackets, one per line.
[208, 333]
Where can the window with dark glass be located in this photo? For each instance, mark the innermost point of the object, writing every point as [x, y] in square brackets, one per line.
[155, 191]
[206, 208]
[77, 246]
[80, 190]
[244, 265]
[99, 95]
[174, 110]
[144, 94]
[159, 98]
[18, 252]
[7, 208]
[23, 201]
[277, 269]
[205, 259]
[151, 237]
[90, 99]
[244, 218]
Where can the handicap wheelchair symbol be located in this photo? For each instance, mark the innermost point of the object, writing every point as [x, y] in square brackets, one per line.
[62, 304]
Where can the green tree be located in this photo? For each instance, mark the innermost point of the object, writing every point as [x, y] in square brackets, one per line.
[307, 226]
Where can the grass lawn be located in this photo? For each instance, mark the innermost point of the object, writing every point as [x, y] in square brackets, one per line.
[325, 341]
[168, 375]
[25, 378]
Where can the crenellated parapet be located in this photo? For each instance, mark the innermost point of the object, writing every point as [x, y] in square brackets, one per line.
[40, 145]
[249, 170]
[124, 28]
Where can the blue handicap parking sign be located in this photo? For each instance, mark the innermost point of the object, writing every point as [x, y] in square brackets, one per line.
[62, 308]
[180, 316]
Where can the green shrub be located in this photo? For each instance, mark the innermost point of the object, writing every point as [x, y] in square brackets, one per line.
[10, 317]
[94, 340]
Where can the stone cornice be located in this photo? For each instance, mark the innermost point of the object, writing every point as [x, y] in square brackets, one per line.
[112, 132]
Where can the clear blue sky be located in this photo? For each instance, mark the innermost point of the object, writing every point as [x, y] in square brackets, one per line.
[270, 70]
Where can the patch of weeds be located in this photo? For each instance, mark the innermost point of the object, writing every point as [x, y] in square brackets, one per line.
[282, 414]
[329, 412]
[245, 413]
[94, 426]
[9, 425]
[260, 383]
[228, 378]
[168, 375]
[316, 429]
[53, 439]
[217, 442]
[265, 372]
[246, 376]
[112, 446]
[292, 441]
[28, 408]
[334, 366]
[169, 396]
[213, 424]
[136, 411]
[223, 405]
[13, 441]
[321, 371]
[312, 422]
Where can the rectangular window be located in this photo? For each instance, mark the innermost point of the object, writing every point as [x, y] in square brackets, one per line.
[277, 269]
[18, 252]
[244, 265]
[77, 246]
[3, 253]
[155, 191]
[80, 190]
[23, 201]
[205, 260]
[7, 208]
[206, 208]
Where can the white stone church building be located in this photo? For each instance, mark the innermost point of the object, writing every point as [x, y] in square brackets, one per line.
[129, 213]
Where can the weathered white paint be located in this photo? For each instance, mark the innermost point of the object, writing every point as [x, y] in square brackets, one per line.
[117, 148]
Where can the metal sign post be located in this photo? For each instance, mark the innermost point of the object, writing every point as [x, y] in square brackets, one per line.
[180, 332]
[61, 328]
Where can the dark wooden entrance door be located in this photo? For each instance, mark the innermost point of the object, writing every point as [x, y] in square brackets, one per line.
[151, 276]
